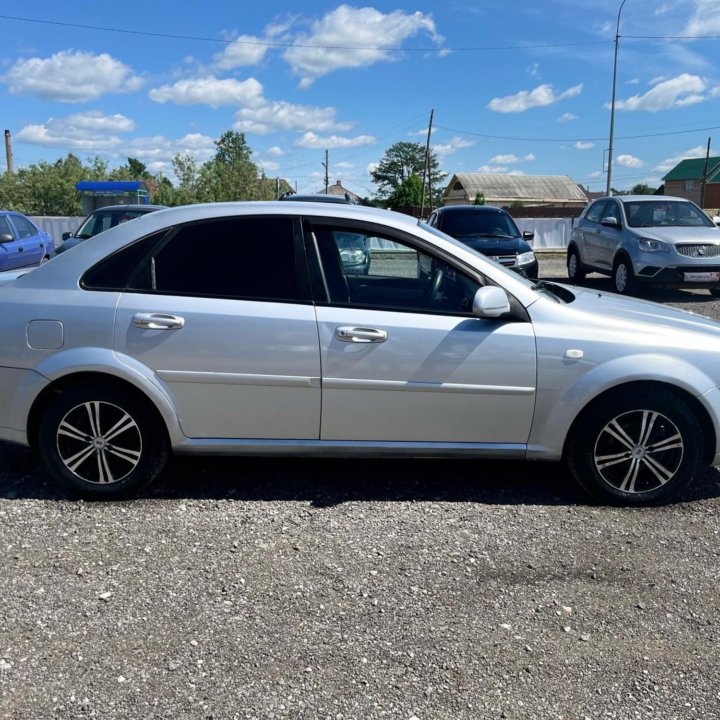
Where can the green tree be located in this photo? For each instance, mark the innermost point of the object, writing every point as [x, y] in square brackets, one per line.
[400, 162]
[642, 189]
[479, 198]
[408, 195]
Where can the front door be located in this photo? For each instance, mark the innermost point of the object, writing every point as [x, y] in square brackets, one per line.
[404, 359]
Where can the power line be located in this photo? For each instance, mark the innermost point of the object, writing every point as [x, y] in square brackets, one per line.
[586, 139]
[267, 43]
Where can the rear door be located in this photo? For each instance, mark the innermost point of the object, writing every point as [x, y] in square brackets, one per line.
[32, 241]
[11, 253]
[221, 314]
[589, 229]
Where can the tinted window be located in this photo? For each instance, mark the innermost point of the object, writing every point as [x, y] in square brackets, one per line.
[595, 212]
[658, 213]
[116, 271]
[24, 227]
[248, 258]
[475, 223]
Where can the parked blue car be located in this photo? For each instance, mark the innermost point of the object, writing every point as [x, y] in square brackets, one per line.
[22, 243]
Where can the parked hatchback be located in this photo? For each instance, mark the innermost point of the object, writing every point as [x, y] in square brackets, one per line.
[491, 231]
[651, 239]
[103, 219]
[22, 243]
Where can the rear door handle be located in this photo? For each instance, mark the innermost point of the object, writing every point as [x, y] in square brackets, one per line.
[347, 333]
[158, 321]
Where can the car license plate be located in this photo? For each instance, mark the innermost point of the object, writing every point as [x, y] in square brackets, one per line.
[701, 276]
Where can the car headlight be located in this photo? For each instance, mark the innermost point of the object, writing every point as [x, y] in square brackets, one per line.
[648, 245]
[526, 258]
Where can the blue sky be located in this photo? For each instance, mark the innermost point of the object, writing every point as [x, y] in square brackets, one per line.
[517, 86]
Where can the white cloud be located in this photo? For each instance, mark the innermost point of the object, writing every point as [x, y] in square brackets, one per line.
[681, 90]
[669, 163]
[311, 140]
[629, 161]
[243, 51]
[533, 70]
[491, 169]
[375, 35]
[209, 91]
[268, 165]
[372, 167]
[509, 159]
[567, 117]
[596, 174]
[71, 76]
[705, 19]
[580, 145]
[634, 81]
[275, 151]
[280, 115]
[541, 96]
[344, 165]
[451, 146]
[91, 131]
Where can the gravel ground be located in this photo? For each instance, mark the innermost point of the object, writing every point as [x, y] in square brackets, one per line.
[358, 589]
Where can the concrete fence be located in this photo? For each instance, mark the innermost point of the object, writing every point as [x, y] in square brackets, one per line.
[56, 225]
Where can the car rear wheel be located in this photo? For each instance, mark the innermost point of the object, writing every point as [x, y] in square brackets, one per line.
[623, 276]
[101, 442]
[638, 448]
[575, 270]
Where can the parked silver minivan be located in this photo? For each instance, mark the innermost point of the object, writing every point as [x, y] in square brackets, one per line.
[655, 239]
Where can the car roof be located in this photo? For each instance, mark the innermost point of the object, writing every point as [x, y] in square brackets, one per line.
[468, 208]
[134, 208]
[644, 198]
[319, 197]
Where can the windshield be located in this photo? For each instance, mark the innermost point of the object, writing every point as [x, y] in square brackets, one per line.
[663, 213]
[101, 221]
[476, 223]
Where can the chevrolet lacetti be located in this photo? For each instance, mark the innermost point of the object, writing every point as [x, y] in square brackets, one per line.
[143, 343]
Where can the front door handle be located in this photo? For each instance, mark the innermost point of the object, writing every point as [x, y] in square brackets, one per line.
[347, 333]
[158, 321]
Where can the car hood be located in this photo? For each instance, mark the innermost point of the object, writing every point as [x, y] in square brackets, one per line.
[496, 246]
[10, 275]
[617, 307]
[672, 235]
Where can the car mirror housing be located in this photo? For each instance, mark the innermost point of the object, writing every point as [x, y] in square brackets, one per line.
[6, 238]
[528, 235]
[67, 235]
[490, 302]
[610, 222]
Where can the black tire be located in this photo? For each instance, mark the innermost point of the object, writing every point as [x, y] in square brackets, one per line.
[623, 276]
[715, 292]
[576, 271]
[641, 447]
[75, 434]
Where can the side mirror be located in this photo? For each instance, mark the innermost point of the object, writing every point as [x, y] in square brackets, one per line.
[6, 238]
[716, 220]
[610, 221]
[67, 235]
[528, 235]
[490, 302]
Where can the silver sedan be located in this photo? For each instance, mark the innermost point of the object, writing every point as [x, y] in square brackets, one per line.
[240, 329]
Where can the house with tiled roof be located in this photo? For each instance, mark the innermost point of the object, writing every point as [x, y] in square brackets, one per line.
[685, 180]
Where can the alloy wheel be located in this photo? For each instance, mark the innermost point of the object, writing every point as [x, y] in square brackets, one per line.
[99, 442]
[638, 451]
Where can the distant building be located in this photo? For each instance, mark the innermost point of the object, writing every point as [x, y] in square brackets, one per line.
[338, 189]
[685, 180]
[504, 190]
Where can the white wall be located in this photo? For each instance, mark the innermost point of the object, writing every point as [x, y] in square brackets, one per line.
[56, 226]
[550, 233]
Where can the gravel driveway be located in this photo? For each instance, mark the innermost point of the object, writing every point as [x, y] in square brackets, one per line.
[358, 589]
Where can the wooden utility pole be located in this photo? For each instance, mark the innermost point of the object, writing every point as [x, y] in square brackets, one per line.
[426, 171]
[325, 165]
[8, 152]
[704, 182]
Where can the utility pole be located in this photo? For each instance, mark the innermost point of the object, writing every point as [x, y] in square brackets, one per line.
[325, 165]
[8, 152]
[704, 182]
[612, 105]
[426, 171]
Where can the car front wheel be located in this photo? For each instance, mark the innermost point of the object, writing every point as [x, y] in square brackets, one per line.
[623, 276]
[101, 442]
[639, 448]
